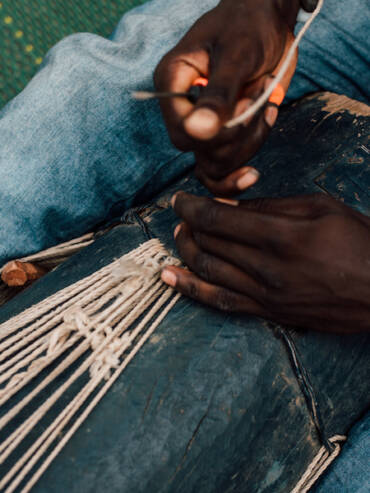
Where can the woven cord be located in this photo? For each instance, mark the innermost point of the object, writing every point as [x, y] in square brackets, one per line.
[99, 323]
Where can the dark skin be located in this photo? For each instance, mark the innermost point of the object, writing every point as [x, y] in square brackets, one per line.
[237, 46]
[301, 261]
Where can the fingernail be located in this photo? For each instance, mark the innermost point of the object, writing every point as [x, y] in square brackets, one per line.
[177, 230]
[227, 201]
[203, 124]
[248, 179]
[271, 114]
[169, 277]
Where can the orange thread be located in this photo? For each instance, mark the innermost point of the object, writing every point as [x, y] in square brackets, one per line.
[277, 96]
[201, 81]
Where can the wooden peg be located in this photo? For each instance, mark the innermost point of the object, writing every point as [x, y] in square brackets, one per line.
[17, 274]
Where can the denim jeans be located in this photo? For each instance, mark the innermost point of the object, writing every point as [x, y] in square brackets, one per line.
[75, 147]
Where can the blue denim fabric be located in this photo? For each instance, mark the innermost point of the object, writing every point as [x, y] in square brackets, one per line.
[350, 473]
[335, 54]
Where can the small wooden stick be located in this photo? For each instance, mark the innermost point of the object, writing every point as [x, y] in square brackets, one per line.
[17, 274]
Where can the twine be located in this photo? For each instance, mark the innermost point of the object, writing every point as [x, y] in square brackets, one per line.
[97, 320]
[318, 466]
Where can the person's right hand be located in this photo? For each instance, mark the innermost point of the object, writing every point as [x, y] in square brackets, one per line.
[238, 46]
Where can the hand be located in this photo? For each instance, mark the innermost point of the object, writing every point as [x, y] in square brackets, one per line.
[237, 46]
[302, 261]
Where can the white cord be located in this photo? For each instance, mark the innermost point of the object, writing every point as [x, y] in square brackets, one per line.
[262, 100]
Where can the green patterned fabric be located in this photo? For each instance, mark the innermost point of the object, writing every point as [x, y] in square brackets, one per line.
[28, 28]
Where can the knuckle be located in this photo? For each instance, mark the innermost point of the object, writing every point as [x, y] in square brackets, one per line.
[287, 241]
[280, 243]
[262, 204]
[192, 289]
[323, 202]
[331, 227]
[166, 70]
[208, 216]
[201, 239]
[225, 300]
[271, 278]
[203, 265]
[222, 154]
[272, 298]
[273, 281]
[324, 233]
[262, 294]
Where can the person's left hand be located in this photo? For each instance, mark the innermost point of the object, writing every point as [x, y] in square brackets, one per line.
[302, 261]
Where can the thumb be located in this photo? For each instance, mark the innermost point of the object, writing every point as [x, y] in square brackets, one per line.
[218, 100]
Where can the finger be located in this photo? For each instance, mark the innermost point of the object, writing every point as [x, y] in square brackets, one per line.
[227, 136]
[259, 265]
[177, 74]
[218, 163]
[213, 269]
[243, 177]
[298, 206]
[238, 224]
[223, 299]
[231, 71]
[241, 106]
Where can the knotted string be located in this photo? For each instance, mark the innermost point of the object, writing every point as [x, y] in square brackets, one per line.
[100, 323]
